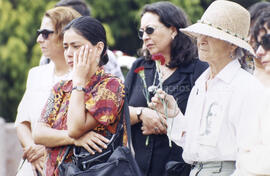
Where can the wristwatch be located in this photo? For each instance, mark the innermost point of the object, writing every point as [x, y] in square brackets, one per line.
[139, 113]
[79, 88]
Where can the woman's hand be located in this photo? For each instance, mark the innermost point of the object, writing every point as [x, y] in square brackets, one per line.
[81, 64]
[34, 152]
[156, 103]
[92, 141]
[153, 122]
[35, 155]
[37, 166]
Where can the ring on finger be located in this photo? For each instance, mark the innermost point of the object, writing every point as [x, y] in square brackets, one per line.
[156, 129]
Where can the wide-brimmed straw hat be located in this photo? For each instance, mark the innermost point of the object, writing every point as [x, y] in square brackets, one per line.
[224, 20]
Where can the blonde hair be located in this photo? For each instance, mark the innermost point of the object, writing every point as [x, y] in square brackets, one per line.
[60, 17]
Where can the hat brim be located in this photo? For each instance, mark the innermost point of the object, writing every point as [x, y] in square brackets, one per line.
[204, 29]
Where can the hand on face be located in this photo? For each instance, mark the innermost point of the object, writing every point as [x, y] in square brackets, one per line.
[82, 63]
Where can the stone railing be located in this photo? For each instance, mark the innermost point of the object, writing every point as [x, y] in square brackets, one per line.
[10, 149]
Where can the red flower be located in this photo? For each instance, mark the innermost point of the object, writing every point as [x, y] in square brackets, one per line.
[139, 69]
[159, 57]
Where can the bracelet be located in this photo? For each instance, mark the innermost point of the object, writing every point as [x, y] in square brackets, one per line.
[79, 88]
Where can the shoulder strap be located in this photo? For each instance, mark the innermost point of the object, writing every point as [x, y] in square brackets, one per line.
[127, 119]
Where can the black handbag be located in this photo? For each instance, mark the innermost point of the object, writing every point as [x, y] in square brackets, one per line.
[119, 161]
[84, 160]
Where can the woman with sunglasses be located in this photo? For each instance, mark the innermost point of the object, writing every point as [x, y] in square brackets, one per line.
[160, 35]
[261, 34]
[39, 83]
[255, 160]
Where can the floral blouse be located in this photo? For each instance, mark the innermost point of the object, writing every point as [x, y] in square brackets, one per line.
[104, 99]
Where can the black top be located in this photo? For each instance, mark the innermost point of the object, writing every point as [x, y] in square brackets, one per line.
[153, 157]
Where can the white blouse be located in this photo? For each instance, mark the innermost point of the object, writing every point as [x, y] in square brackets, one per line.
[222, 119]
[255, 160]
[40, 81]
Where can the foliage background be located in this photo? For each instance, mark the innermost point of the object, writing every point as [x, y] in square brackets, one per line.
[19, 20]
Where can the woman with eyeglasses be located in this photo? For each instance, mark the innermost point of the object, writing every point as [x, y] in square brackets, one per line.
[39, 83]
[255, 159]
[159, 32]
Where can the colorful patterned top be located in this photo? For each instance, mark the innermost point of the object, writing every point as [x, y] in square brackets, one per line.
[104, 99]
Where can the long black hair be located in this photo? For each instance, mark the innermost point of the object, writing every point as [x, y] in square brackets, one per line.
[183, 50]
[93, 31]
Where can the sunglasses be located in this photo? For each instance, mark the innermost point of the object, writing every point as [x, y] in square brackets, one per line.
[265, 42]
[149, 30]
[45, 33]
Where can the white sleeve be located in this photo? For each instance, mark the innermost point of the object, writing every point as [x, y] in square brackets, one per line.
[248, 124]
[23, 108]
[178, 125]
[256, 158]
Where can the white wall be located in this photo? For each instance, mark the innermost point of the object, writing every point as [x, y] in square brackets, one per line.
[10, 149]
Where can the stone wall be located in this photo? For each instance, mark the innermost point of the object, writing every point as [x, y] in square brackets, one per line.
[10, 149]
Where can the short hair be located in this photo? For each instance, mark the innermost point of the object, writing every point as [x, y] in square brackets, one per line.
[79, 5]
[183, 50]
[60, 17]
[92, 30]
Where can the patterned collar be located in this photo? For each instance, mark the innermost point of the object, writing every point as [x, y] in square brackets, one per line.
[99, 74]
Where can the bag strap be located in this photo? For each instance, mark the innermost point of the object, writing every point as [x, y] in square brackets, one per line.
[65, 154]
[127, 119]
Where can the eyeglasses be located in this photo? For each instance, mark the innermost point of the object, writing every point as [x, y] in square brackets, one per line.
[149, 30]
[265, 42]
[45, 33]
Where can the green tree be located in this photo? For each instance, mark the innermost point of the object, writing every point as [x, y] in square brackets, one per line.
[18, 51]
[123, 18]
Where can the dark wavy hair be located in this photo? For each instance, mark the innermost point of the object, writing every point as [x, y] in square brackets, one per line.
[93, 31]
[263, 19]
[255, 10]
[183, 50]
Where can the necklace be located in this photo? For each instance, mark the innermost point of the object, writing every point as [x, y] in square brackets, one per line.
[166, 72]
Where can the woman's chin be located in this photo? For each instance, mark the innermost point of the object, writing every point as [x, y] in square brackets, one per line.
[267, 70]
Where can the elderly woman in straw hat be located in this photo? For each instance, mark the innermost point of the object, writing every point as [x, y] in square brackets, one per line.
[221, 113]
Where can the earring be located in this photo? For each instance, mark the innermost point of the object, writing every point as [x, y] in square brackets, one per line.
[172, 36]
